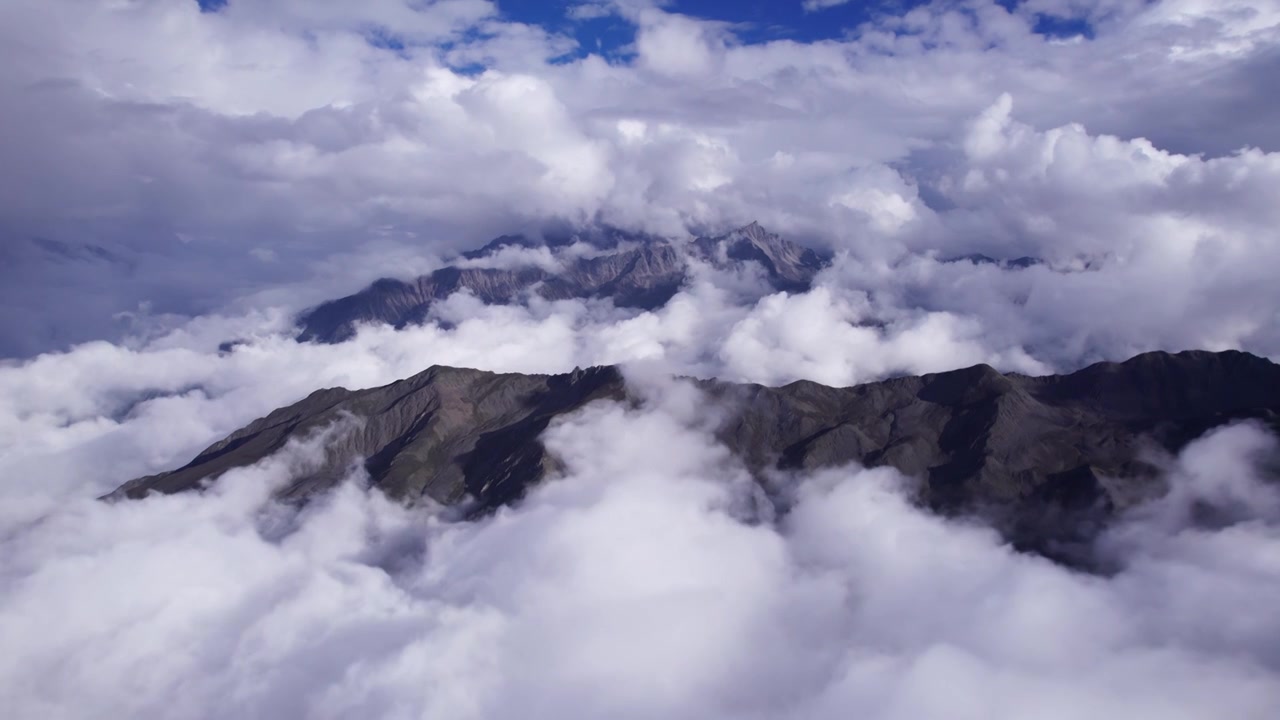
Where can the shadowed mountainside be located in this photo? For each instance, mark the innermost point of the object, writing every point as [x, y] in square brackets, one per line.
[638, 272]
[1048, 459]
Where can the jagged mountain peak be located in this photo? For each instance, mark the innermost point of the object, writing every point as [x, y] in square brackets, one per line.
[790, 266]
[754, 231]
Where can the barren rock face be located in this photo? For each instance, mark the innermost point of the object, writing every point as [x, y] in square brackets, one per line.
[1048, 459]
[644, 273]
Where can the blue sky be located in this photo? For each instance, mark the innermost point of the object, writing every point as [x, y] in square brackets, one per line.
[753, 21]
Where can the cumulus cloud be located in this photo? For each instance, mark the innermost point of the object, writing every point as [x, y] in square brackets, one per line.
[193, 144]
[174, 179]
[637, 584]
[1164, 252]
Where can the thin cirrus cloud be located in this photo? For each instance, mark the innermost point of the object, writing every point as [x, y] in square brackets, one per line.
[814, 5]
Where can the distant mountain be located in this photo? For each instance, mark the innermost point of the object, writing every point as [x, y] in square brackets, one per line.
[636, 271]
[56, 293]
[29, 251]
[602, 238]
[1048, 459]
[1018, 263]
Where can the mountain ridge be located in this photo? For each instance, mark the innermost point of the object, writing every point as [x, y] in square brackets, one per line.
[1051, 458]
[633, 271]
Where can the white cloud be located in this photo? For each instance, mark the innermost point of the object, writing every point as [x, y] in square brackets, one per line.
[815, 5]
[674, 45]
[591, 10]
[278, 126]
[634, 586]
[167, 154]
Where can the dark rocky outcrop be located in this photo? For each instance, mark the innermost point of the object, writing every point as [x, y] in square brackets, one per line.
[1048, 459]
[633, 271]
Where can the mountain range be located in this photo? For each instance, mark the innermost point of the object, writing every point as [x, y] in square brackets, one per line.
[634, 271]
[1049, 461]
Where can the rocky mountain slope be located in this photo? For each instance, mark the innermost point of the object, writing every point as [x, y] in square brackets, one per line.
[1047, 459]
[633, 271]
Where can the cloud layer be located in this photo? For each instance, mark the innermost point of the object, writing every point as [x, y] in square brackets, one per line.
[219, 154]
[171, 179]
[640, 584]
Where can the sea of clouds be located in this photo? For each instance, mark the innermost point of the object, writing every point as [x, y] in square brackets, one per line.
[175, 179]
[634, 585]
